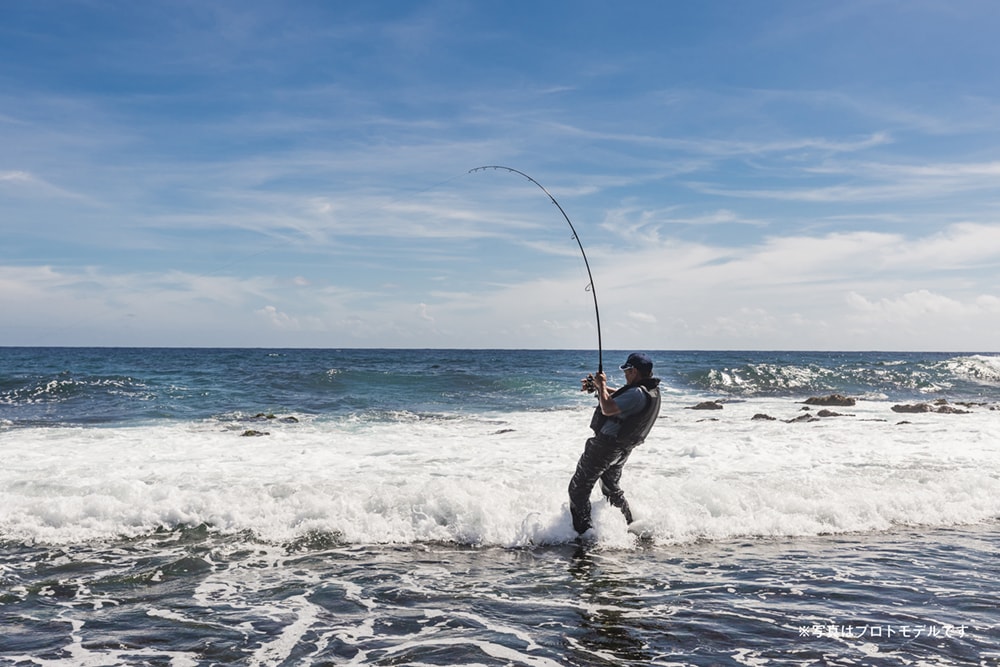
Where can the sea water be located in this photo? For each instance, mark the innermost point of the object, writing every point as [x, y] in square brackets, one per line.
[320, 507]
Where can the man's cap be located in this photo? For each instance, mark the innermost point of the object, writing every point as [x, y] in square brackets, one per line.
[638, 360]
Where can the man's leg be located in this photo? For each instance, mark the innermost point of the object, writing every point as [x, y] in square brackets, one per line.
[597, 457]
[612, 490]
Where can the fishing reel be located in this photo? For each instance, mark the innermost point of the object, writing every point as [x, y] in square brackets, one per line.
[588, 385]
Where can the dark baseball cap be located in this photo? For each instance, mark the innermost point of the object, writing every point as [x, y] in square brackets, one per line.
[638, 360]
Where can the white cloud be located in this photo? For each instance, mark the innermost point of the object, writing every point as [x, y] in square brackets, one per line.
[871, 182]
[834, 291]
[642, 318]
[28, 184]
[961, 246]
[922, 305]
[422, 313]
[727, 148]
[924, 319]
[277, 318]
[15, 177]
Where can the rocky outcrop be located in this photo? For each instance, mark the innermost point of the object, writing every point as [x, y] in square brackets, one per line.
[940, 407]
[913, 409]
[832, 399]
[707, 405]
[284, 420]
[802, 418]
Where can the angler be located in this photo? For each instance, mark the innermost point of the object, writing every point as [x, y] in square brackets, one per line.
[622, 419]
[621, 422]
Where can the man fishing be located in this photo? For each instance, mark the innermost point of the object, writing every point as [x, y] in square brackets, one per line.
[622, 419]
[621, 422]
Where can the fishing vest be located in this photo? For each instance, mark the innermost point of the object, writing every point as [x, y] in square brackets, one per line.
[634, 428]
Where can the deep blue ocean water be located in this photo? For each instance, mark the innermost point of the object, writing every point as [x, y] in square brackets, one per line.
[386, 507]
[127, 385]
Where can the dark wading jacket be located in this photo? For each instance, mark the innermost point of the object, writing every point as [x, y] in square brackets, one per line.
[634, 428]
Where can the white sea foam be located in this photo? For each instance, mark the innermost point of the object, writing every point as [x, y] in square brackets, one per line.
[501, 479]
[984, 369]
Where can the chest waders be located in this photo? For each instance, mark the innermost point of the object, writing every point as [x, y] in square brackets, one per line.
[604, 456]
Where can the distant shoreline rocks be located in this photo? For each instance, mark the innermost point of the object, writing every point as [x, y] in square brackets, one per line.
[940, 406]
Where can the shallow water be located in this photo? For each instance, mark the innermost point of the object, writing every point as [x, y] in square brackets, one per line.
[193, 598]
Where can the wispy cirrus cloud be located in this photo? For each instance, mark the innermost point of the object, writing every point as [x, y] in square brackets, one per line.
[26, 184]
[726, 148]
[871, 182]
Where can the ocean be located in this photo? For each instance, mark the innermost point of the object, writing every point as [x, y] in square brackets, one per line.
[192, 507]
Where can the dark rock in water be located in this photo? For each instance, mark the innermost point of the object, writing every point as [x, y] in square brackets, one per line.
[829, 413]
[760, 416]
[270, 416]
[707, 405]
[832, 399]
[503, 430]
[913, 409]
[802, 418]
[251, 433]
[942, 408]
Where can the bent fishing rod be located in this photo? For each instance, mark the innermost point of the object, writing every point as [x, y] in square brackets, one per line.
[576, 237]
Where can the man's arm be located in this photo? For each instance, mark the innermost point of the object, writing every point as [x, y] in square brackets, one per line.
[608, 406]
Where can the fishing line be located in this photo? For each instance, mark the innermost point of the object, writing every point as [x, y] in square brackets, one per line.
[576, 237]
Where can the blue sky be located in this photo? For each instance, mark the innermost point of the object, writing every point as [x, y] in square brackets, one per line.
[773, 175]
